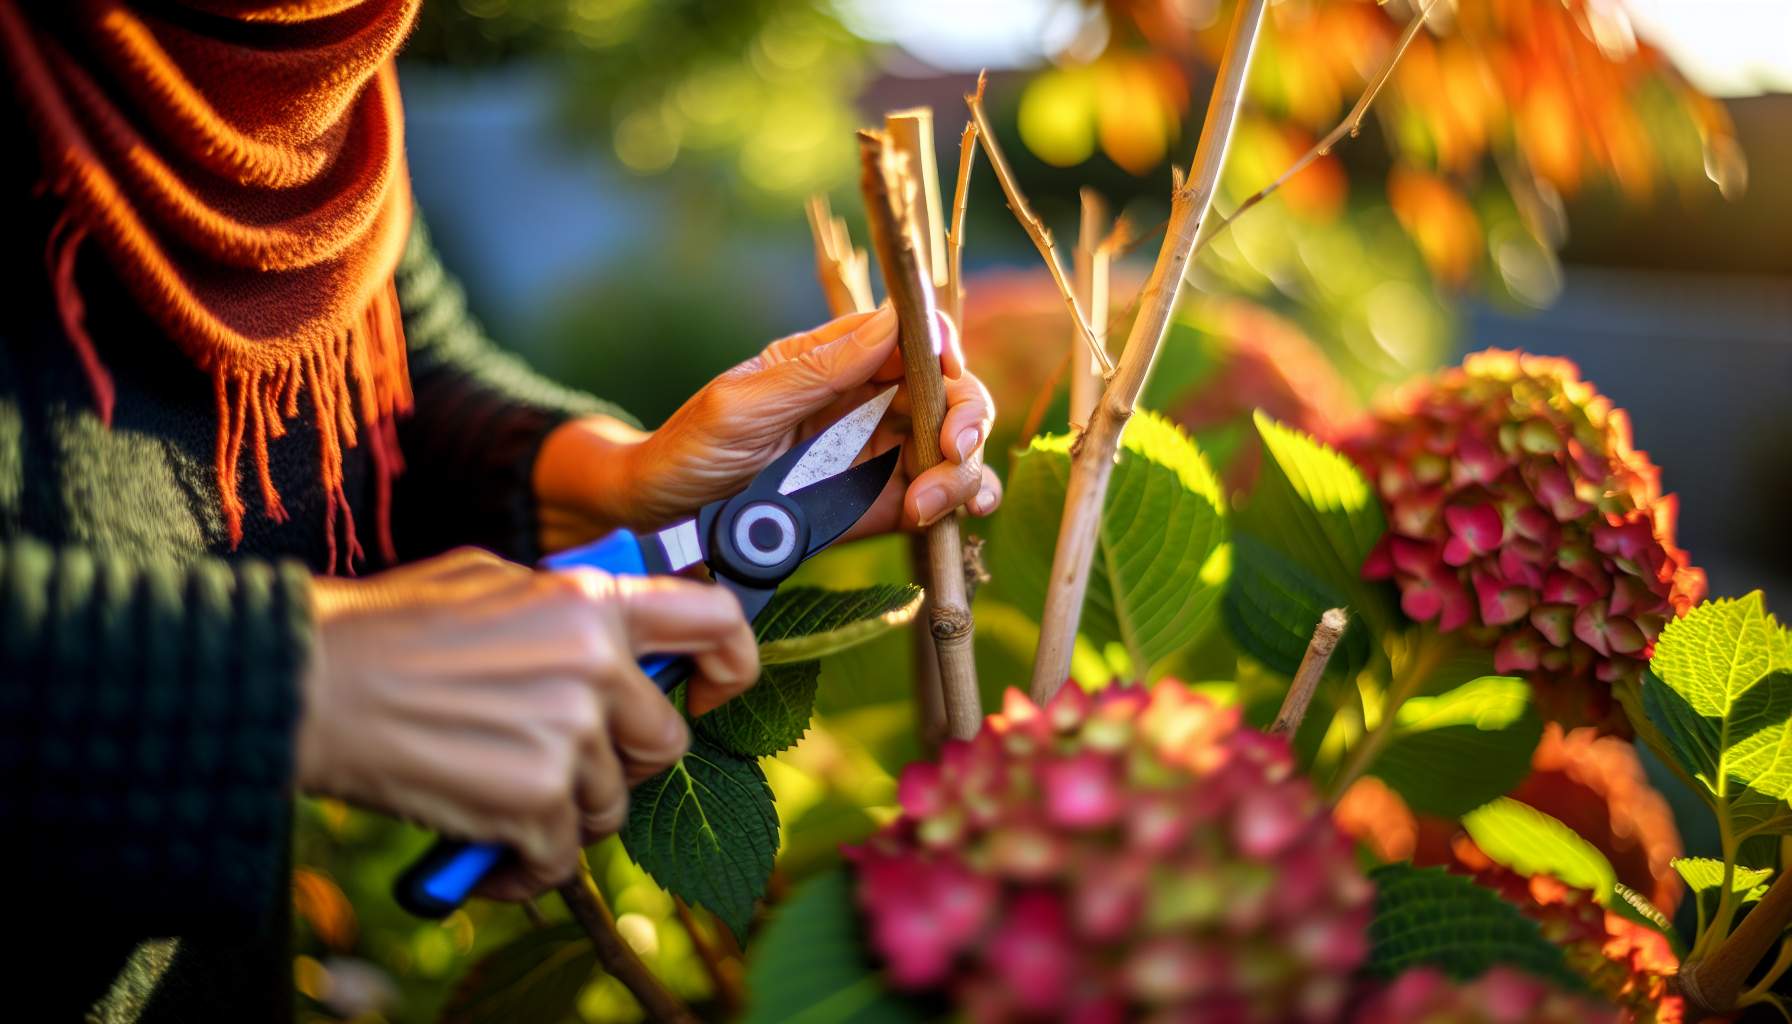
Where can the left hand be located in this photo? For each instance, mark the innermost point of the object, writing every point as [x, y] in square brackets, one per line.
[595, 474]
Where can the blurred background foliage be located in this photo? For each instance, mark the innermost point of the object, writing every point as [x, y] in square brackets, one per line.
[620, 184]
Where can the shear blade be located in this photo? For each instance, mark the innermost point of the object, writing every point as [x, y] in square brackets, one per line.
[831, 452]
[834, 504]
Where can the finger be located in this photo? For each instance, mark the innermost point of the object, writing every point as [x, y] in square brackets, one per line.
[662, 615]
[834, 329]
[941, 489]
[970, 413]
[724, 673]
[794, 379]
[951, 347]
[547, 855]
[647, 731]
[602, 793]
[989, 496]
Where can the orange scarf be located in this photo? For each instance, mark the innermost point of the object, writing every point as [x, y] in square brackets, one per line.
[241, 165]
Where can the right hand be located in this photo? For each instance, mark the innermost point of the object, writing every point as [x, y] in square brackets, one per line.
[491, 702]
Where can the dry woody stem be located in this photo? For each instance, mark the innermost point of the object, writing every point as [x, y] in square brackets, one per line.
[889, 210]
[1092, 464]
[1312, 669]
[844, 272]
[614, 955]
[1711, 985]
[1092, 254]
[1036, 230]
[952, 295]
[1352, 123]
[845, 280]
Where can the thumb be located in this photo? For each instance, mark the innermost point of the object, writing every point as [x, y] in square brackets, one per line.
[804, 373]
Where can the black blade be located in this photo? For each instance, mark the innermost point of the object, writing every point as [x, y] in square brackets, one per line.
[834, 504]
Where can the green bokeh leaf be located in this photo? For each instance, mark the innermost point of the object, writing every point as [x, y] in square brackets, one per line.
[810, 964]
[1162, 554]
[1719, 690]
[536, 976]
[1530, 842]
[1455, 751]
[806, 623]
[706, 829]
[1706, 875]
[1311, 507]
[1427, 916]
[1272, 604]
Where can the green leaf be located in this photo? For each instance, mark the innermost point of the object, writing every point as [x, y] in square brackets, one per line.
[1530, 842]
[1706, 874]
[1427, 916]
[1719, 690]
[810, 964]
[806, 623]
[1161, 554]
[536, 976]
[1272, 604]
[706, 830]
[801, 625]
[770, 717]
[1455, 751]
[1315, 505]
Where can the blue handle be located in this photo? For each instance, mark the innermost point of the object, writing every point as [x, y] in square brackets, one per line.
[439, 881]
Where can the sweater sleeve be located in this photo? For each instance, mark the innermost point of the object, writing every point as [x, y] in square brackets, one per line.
[146, 731]
[480, 418]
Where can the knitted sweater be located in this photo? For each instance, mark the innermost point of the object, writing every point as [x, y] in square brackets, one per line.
[148, 693]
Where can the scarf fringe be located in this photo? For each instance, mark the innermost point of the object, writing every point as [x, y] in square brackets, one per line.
[357, 389]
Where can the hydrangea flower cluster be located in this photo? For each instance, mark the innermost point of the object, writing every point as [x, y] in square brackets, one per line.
[1627, 963]
[1117, 855]
[1518, 511]
[1501, 996]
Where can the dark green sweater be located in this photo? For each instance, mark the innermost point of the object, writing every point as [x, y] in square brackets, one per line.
[148, 672]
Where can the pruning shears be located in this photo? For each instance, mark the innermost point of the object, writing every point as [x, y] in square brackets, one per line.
[751, 542]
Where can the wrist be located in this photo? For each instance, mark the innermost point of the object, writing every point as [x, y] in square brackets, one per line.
[593, 465]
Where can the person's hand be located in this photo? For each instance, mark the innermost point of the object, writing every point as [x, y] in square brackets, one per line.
[594, 474]
[489, 702]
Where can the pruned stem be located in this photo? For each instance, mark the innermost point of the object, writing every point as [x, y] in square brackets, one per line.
[1712, 984]
[887, 207]
[952, 296]
[1312, 669]
[839, 283]
[1036, 230]
[1092, 465]
[844, 272]
[1092, 290]
[615, 955]
[1352, 123]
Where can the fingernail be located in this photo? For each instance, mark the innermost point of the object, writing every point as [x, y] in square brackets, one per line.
[871, 331]
[931, 504]
[675, 732]
[986, 500]
[967, 442]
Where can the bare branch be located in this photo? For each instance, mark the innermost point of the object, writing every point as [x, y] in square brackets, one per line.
[1036, 229]
[1312, 669]
[615, 956]
[893, 235]
[1094, 244]
[1352, 123]
[845, 272]
[1711, 985]
[1092, 464]
[953, 296]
